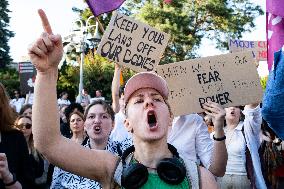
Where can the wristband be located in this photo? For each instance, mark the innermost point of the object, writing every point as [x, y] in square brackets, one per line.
[13, 181]
[219, 139]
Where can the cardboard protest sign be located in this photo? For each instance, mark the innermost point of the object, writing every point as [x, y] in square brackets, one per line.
[258, 48]
[27, 73]
[132, 44]
[229, 80]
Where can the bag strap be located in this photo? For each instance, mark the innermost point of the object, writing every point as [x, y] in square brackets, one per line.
[243, 132]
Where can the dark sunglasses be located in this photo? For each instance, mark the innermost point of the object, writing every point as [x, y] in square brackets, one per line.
[26, 125]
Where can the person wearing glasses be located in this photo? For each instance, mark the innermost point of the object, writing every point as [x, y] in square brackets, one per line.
[17, 102]
[15, 169]
[24, 124]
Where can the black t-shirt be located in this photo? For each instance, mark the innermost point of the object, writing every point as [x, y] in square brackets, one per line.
[14, 145]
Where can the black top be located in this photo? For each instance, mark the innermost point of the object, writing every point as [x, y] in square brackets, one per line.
[14, 145]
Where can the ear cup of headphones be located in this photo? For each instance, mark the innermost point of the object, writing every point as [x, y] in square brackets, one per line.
[134, 176]
[171, 170]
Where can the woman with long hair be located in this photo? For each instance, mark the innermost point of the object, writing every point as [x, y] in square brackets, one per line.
[24, 124]
[242, 129]
[14, 161]
[76, 121]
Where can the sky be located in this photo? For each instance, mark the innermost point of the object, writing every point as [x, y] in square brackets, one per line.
[26, 24]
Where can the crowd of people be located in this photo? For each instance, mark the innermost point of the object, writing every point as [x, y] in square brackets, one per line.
[135, 142]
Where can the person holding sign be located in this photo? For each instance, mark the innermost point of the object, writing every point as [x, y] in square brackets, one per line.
[148, 164]
[189, 134]
[243, 141]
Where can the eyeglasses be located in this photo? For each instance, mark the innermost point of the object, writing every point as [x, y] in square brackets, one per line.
[26, 125]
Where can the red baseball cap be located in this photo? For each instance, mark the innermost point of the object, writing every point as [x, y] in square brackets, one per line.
[145, 80]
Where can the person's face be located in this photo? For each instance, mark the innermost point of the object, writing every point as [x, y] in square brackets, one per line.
[28, 112]
[148, 116]
[25, 125]
[233, 113]
[76, 123]
[65, 96]
[98, 93]
[98, 124]
[17, 94]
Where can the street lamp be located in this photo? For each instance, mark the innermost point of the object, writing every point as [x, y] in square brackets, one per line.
[80, 44]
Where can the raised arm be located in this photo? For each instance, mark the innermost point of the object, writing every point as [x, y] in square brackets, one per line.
[115, 85]
[253, 120]
[46, 54]
[219, 156]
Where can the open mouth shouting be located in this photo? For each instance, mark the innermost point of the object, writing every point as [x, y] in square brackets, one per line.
[97, 129]
[152, 120]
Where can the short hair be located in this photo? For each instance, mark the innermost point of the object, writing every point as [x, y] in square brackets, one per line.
[105, 105]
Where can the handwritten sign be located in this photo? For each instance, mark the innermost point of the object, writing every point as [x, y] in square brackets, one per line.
[132, 44]
[258, 48]
[229, 80]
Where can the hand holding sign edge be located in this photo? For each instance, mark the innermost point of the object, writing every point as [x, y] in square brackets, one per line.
[46, 52]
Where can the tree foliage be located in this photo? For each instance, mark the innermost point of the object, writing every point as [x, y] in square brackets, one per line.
[263, 82]
[98, 75]
[10, 79]
[5, 34]
[189, 22]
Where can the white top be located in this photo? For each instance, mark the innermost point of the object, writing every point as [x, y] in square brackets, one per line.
[17, 103]
[189, 134]
[30, 98]
[236, 147]
[85, 99]
[61, 101]
[96, 98]
[119, 132]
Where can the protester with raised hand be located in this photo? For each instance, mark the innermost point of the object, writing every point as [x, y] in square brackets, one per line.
[119, 132]
[243, 136]
[189, 134]
[148, 117]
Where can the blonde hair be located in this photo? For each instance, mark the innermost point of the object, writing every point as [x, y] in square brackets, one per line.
[30, 142]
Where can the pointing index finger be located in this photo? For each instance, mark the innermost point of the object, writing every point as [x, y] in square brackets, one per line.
[45, 23]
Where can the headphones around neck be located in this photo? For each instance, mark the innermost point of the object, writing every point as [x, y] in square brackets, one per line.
[135, 175]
